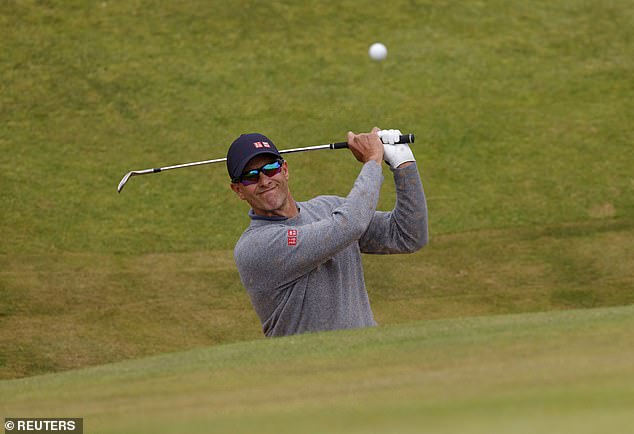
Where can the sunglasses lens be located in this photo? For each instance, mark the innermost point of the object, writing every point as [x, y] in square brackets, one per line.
[272, 169]
[250, 178]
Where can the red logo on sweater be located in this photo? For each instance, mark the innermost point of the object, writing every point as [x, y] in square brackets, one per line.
[292, 237]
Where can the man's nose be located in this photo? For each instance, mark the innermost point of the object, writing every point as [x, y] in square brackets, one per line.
[262, 179]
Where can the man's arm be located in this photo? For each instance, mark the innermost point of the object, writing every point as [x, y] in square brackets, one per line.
[267, 257]
[404, 229]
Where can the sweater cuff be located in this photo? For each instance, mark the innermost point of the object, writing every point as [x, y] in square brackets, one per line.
[405, 170]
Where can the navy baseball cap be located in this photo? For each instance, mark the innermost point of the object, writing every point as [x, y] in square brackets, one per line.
[244, 148]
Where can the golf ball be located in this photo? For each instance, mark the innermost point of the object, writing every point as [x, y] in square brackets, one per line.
[377, 51]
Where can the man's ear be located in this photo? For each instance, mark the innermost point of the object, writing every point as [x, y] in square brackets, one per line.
[236, 189]
[285, 169]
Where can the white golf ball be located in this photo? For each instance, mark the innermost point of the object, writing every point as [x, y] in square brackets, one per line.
[377, 51]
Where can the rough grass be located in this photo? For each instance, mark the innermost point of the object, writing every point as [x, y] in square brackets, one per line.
[521, 112]
[88, 309]
[524, 373]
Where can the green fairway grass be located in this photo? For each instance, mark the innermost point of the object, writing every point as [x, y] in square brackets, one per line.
[522, 114]
[548, 372]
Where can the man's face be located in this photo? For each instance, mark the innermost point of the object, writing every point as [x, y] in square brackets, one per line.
[270, 195]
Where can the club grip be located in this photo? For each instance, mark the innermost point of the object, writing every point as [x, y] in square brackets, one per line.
[404, 138]
[339, 145]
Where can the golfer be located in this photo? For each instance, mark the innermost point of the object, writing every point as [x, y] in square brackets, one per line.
[300, 262]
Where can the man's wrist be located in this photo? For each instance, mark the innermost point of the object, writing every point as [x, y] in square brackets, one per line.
[377, 158]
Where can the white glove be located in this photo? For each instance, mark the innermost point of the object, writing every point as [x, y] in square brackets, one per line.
[395, 154]
[389, 137]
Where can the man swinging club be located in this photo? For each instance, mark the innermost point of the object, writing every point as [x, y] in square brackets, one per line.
[300, 262]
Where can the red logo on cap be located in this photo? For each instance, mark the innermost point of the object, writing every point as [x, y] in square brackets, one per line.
[292, 237]
[261, 144]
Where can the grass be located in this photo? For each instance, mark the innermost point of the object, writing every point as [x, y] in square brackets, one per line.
[86, 309]
[521, 113]
[548, 372]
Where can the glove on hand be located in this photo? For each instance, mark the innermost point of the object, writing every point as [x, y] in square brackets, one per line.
[389, 137]
[395, 154]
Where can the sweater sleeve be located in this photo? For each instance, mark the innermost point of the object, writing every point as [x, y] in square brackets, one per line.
[277, 254]
[404, 229]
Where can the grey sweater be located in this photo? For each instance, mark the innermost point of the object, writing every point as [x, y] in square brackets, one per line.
[304, 274]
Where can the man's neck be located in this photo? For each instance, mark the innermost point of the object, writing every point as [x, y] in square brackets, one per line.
[288, 210]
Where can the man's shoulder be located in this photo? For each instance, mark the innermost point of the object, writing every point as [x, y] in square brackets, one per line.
[257, 230]
[329, 201]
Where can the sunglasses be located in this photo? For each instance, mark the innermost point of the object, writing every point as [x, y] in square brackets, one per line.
[253, 175]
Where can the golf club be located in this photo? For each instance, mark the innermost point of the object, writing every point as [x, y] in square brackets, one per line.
[404, 138]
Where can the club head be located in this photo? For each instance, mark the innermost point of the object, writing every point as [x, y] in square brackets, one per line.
[124, 180]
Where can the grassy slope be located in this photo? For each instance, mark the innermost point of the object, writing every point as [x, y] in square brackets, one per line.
[524, 373]
[520, 111]
[127, 306]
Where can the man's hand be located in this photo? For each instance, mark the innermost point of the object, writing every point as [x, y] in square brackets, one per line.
[366, 147]
[395, 154]
[389, 137]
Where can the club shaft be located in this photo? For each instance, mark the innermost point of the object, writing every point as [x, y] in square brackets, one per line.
[220, 160]
[180, 166]
[405, 138]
